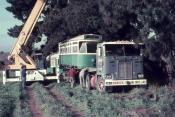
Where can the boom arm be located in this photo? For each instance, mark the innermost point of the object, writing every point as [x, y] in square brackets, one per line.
[23, 37]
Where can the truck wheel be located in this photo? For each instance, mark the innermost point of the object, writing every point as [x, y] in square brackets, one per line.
[101, 86]
[88, 84]
[64, 77]
[61, 77]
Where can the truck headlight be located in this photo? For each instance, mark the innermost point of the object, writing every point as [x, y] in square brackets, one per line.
[140, 75]
[108, 76]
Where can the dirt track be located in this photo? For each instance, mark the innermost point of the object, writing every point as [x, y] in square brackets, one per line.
[61, 99]
[33, 106]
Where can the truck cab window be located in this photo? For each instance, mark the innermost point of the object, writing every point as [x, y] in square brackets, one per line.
[132, 50]
[112, 49]
[122, 50]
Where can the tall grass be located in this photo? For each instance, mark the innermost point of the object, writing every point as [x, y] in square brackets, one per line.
[153, 101]
[49, 106]
[91, 103]
[10, 105]
[7, 101]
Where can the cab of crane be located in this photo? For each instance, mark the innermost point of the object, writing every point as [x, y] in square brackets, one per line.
[39, 60]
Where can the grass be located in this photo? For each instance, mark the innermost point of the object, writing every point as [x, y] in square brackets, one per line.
[91, 103]
[7, 101]
[10, 101]
[158, 102]
[49, 106]
[24, 107]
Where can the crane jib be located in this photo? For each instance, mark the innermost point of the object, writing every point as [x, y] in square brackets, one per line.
[26, 32]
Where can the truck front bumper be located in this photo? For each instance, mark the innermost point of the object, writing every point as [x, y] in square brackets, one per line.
[110, 82]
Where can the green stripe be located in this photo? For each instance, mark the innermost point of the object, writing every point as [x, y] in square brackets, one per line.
[80, 61]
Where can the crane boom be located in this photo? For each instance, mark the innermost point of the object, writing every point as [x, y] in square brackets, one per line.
[23, 37]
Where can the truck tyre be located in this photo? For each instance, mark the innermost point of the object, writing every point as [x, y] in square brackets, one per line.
[88, 84]
[109, 89]
[61, 77]
[101, 85]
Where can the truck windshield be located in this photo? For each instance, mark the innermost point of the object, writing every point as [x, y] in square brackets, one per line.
[122, 50]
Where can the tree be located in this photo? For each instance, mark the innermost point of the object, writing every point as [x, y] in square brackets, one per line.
[149, 21]
[21, 10]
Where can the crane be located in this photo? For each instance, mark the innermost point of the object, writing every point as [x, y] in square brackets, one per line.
[17, 54]
[19, 57]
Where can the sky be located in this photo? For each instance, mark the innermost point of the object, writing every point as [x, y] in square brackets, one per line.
[6, 21]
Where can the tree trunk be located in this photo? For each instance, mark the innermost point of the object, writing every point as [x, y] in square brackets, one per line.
[169, 67]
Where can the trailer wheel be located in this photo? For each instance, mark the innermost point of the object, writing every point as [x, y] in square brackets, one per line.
[101, 86]
[61, 78]
[88, 84]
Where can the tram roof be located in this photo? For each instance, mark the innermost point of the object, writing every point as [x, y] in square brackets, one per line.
[87, 37]
[122, 42]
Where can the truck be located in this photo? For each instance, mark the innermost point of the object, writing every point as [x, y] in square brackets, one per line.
[119, 63]
[108, 64]
[18, 55]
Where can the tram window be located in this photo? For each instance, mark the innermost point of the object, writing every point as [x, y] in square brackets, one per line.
[64, 50]
[75, 49]
[67, 50]
[75, 43]
[91, 47]
[83, 47]
[88, 47]
[92, 37]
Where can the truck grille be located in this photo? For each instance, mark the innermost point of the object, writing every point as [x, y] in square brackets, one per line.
[125, 70]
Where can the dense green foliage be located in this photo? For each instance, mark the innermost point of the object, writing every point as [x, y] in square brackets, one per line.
[49, 106]
[7, 102]
[10, 103]
[149, 21]
[154, 101]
